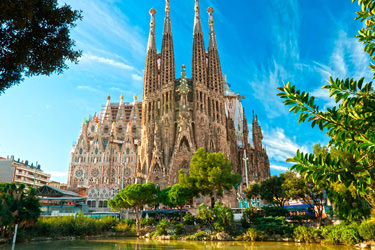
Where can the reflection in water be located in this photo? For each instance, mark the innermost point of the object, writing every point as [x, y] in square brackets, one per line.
[117, 244]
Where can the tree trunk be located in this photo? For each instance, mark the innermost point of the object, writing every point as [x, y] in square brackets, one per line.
[181, 214]
[137, 218]
[320, 214]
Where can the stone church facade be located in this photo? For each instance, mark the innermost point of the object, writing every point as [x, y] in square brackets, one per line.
[150, 141]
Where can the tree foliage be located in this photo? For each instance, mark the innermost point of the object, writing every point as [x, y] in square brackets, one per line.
[179, 196]
[163, 197]
[299, 188]
[347, 203]
[209, 174]
[349, 124]
[219, 218]
[135, 196]
[269, 190]
[34, 39]
[18, 205]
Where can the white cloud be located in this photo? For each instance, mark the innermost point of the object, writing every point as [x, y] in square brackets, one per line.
[323, 94]
[116, 89]
[279, 146]
[136, 77]
[279, 168]
[347, 60]
[104, 25]
[88, 88]
[285, 56]
[264, 85]
[57, 174]
[108, 61]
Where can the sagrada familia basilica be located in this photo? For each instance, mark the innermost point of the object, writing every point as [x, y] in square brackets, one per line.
[150, 141]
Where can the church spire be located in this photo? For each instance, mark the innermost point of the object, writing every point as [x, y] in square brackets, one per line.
[199, 52]
[212, 41]
[215, 78]
[167, 20]
[151, 68]
[257, 134]
[197, 19]
[167, 68]
[151, 38]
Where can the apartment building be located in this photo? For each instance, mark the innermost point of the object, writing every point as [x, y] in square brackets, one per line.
[22, 172]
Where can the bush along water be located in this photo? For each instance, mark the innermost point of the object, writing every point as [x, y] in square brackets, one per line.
[367, 230]
[78, 226]
[162, 228]
[341, 234]
[252, 235]
[306, 234]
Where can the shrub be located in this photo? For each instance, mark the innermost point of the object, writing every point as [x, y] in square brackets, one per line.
[274, 225]
[108, 222]
[350, 235]
[199, 236]
[274, 211]
[224, 217]
[147, 222]
[162, 227]
[306, 234]
[251, 235]
[179, 229]
[218, 219]
[367, 230]
[249, 215]
[124, 226]
[174, 237]
[69, 225]
[129, 221]
[345, 234]
[189, 219]
[205, 215]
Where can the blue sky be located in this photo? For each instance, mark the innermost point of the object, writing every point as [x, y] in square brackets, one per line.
[262, 44]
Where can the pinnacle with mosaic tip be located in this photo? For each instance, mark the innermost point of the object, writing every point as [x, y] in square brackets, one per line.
[197, 19]
[167, 6]
[152, 13]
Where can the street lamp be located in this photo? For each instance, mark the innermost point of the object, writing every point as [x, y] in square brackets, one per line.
[245, 159]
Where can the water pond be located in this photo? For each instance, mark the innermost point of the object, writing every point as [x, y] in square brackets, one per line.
[117, 244]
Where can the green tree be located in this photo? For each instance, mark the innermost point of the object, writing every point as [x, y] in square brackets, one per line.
[163, 197]
[301, 188]
[179, 196]
[219, 218]
[347, 203]
[349, 124]
[135, 196]
[223, 217]
[269, 190]
[206, 215]
[34, 39]
[253, 191]
[18, 205]
[209, 174]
